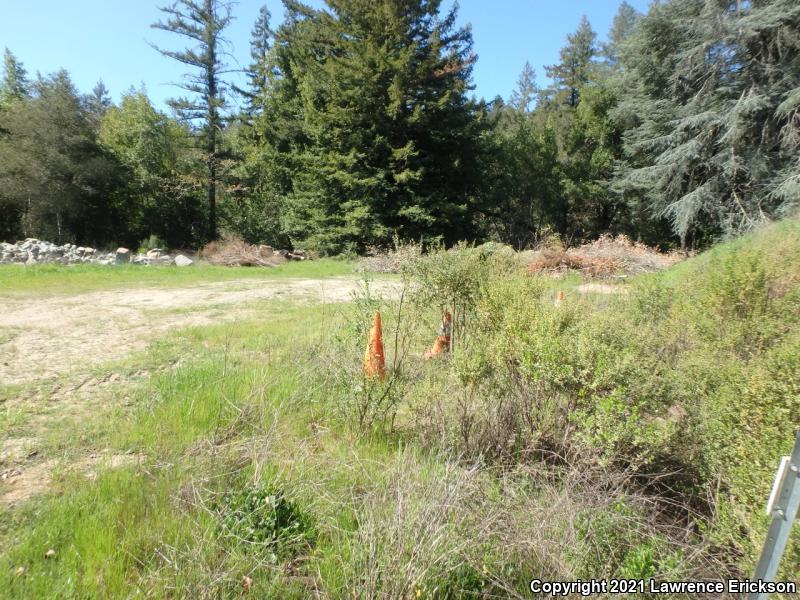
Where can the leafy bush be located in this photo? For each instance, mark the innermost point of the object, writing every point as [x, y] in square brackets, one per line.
[264, 516]
[452, 279]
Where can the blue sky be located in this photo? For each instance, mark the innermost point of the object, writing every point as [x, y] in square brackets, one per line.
[108, 39]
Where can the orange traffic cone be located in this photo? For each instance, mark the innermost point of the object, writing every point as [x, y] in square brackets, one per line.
[442, 343]
[560, 297]
[374, 363]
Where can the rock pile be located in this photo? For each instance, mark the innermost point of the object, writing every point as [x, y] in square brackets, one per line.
[33, 251]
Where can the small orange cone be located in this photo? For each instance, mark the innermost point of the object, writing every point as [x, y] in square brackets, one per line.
[442, 343]
[560, 297]
[374, 363]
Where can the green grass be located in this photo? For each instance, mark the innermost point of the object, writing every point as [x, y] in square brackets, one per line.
[242, 409]
[249, 406]
[16, 280]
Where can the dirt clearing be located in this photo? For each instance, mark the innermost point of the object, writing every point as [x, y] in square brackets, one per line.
[52, 347]
[45, 338]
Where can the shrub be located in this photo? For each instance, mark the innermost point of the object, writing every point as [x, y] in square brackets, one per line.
[452, 279]
[264, 516]
[151, 243]
[690, 383]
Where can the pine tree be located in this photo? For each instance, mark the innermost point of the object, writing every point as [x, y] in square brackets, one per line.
[383, 140]
[574, 69]
[525, 94]
[621, 28]
[260, 44]
[711, 104]
[766, 117]
[98, 103]
[202, 22]
[15, 85]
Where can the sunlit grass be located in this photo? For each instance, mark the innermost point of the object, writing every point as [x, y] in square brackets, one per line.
[58, 279]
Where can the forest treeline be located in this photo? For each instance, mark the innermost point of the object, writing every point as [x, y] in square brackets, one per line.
[358, 126]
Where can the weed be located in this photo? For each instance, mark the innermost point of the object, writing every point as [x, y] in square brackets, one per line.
[263, 515]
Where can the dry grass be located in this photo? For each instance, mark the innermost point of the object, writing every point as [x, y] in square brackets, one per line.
[577, 520]
[416, 531]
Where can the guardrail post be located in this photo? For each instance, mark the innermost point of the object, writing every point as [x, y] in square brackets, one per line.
[782, 507]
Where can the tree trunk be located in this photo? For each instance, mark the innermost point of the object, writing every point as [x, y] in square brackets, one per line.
[212, 198]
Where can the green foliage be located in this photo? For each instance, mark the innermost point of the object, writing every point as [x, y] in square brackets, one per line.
[53, 171]
[694, 375]
[15, 84]
[367, 124]
[358, 127]
[162, 191]
[459, 583]
[151, 243]
[522, 178]
[452, 279]
[707, 143]
[263, 515]
[574, 69]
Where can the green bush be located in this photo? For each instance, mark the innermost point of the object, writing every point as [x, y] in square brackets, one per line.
[690, 383]
[264, 516]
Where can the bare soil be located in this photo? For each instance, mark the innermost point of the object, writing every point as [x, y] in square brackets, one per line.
[51, 347]
[47, 337]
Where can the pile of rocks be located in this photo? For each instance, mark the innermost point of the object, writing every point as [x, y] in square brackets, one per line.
[33, 251]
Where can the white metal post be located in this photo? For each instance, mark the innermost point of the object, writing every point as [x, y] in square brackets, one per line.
[784, 502]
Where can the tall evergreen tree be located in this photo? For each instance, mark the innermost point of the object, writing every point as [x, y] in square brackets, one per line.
[524, 96]
[710, 112]
[621, 29]
[383, 137]
[259, 68]
[203, 23]
[574, 68]
[98, 103]
[14, 85]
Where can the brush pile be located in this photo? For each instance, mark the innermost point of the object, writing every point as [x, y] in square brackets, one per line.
[234, 252]
[605, 257]
[392, 261]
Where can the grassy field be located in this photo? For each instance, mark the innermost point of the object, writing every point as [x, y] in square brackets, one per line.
[249, 411]
[626, 436]
[19, 280]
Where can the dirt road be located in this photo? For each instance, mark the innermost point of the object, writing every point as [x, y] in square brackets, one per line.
[48, 337]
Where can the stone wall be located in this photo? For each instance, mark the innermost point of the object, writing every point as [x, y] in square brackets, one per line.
[33, 251]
